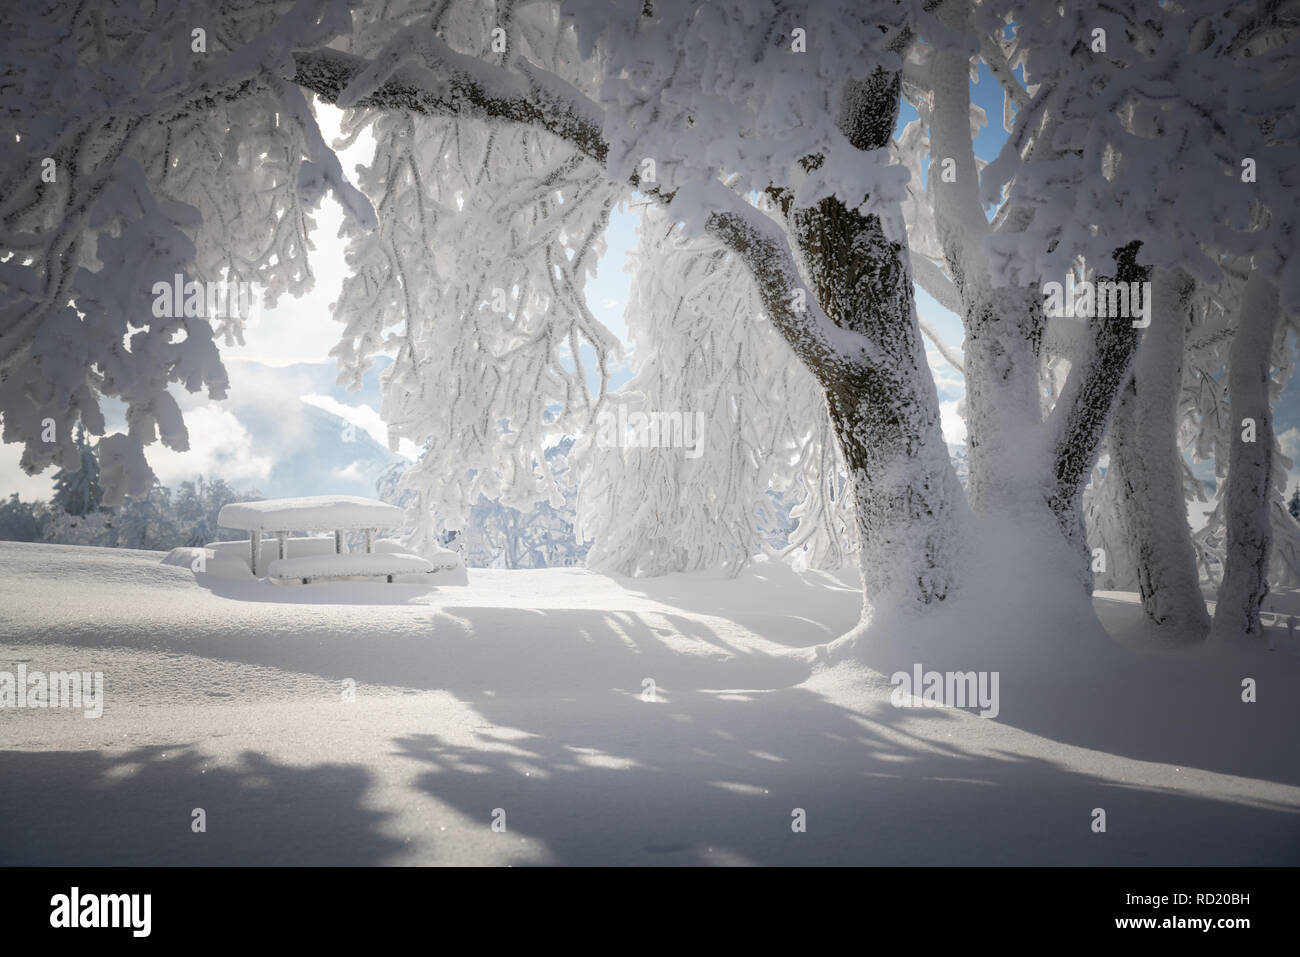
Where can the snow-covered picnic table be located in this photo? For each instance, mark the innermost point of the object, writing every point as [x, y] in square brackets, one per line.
[310, 568]
[318, 513]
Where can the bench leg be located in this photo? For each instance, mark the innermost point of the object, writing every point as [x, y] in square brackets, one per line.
[370, 540]
[284, 544]
[255, 539]
[390, 579]
[306, 581]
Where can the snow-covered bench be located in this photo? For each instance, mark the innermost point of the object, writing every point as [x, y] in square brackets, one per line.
[316, 513]
[309, 568]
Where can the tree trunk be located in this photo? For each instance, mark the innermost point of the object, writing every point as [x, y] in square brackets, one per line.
[1082, 413]
[1003, 408]
[907, 498]
[908, 502]
[909, 505]
[1003, 325]
[1148, 466]
[1249, 534]
[884, 407]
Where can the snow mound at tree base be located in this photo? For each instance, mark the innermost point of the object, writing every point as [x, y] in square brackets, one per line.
[1060, 674]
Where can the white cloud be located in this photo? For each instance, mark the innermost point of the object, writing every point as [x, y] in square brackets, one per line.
[365, 418]
[353, 472]
[1290, 442]
[219, 446]
[949, 382]
[29, 487]
[953, 425]
[362, 416]
[303, 329]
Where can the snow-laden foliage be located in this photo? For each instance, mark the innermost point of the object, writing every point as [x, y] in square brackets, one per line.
[541, 536]
[77, 491]
[1144, 137]
[18, 521]
[1134, 122]
[715, 416]
[690, 85]
[1138, 136]
[495, 535]
[474, 282]
[1128, 123]
[226, 146]
[504, 379]
[147, 141]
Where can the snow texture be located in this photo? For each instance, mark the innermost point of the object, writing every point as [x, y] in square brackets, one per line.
[314, 513]
[524, 690]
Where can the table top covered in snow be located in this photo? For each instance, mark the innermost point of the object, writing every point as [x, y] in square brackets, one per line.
[315, 513]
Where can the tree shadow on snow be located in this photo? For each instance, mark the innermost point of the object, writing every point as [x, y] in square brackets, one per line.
[92, 808]
[769, 598]
[710, 771]
[703, 777]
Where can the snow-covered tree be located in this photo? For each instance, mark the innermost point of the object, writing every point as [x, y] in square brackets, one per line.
[906, 495]
[1142, 513]
[191, 515]
[19, 521]
[197, 504]
[149, 144]
[77, 491]
[503, 135]
[1100, 106]
[147, 521]
[540, 536]
[717, 415]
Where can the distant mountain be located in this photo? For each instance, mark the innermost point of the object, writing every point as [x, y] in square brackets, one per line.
[311, 451]
[322, 456]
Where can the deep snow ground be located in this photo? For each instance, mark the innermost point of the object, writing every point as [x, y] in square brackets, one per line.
[523, 691]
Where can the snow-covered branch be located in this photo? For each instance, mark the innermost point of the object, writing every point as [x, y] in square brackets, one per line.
[447, 83]
[932, 279]
[451, 84]
[950, 355]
